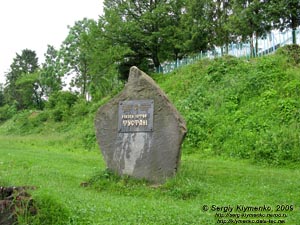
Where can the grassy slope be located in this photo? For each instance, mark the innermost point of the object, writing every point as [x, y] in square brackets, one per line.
[234, 108]
[240, 108]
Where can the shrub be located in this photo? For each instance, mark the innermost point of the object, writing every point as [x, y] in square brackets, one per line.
[62, 99]
[291, 52]
[60, 104]
[7, 112]
[80, 108]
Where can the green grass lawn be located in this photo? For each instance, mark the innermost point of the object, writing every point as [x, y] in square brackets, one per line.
[58, 171]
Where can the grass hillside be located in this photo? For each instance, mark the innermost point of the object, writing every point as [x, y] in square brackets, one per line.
[235, 109]
[239, 108]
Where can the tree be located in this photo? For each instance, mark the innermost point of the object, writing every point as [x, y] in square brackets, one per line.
[30, 91]
[52, 71]
[146, 27]
[196, 25]
[219, 12]
[286, 14]
[103, 55]
[75, 60]
[23, 65]
[91, 57]
[250, 20]
[2, 100]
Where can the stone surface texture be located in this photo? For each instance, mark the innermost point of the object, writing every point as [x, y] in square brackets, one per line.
[153, 156]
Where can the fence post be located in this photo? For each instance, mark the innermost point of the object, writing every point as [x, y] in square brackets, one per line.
[273, 41]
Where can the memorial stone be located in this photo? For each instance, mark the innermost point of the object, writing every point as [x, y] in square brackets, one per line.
[140, 132]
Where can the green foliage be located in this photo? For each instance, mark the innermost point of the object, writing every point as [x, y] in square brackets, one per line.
[80, 108]
[60, 104]
[150, 29]
[7, 112]
[52, 71]
[251, 19]
[91, 58]
[97, 54]
[22, 86]
[2, 96]
[239, 108]
[246, 109]
[285, 14]
[291, 52]
[76, 60]
[65, 113]
[29, 91]
[193, 23]
[26, 122]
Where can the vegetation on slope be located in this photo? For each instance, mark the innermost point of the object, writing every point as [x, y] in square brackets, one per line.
[234, 107]
[241, 108]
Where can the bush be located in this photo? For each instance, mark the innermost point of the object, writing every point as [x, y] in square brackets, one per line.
[64, 99]
[7, 112]
[60, 104]
[80, 108]
[291, 52]
[240, 108]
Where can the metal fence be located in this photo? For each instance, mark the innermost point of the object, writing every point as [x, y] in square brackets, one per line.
[266, 45]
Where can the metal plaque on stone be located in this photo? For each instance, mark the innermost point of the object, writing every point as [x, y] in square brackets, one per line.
[135, 116]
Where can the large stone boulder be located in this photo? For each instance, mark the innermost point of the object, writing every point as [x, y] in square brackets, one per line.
[140, 132]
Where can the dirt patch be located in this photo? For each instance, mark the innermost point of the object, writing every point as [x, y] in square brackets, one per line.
[15, 201]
